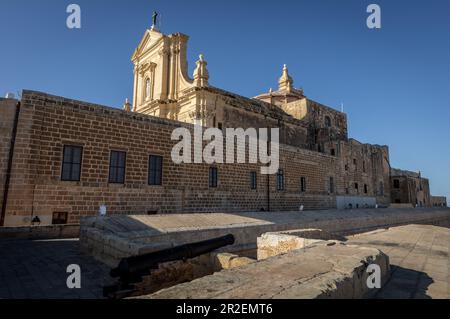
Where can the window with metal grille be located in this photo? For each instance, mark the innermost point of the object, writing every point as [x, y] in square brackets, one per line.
[155, 164]
[213, 177]
[253, 180]
[117, 167]
[71, 166]
[59, 218]
[280, 180]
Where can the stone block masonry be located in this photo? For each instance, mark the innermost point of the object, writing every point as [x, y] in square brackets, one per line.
[48, 123]
[112, 238]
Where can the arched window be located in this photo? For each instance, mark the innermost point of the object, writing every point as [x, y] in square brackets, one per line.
[327, 121]
[147, 89]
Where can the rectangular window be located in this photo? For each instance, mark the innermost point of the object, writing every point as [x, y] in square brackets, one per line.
[303, 184]
[356, 186]
[280, 180]
[117, 167]
[213, 177]
[253, 180]
[396, 183]
[366, 189]
[155, 164]
[333, 152]
[59, 218]
[364, 166]
[71, 166]
[331, 185]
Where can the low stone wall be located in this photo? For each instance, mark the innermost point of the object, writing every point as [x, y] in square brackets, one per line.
[320, 271]
[41, 232]
[274, 244]
[109, 239]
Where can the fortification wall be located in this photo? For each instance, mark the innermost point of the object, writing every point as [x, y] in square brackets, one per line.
[47, 123]
[7, 114]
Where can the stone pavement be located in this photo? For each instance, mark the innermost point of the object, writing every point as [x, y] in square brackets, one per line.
[37, 270]
[419, 257]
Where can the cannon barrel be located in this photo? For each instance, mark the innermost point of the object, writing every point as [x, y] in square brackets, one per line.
[140, 265]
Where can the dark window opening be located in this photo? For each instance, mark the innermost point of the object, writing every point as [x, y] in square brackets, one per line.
[59, 218]
[303, 184]
[333, 152]
[117, 167]
[219, 126]
[356, 186]
[366, 189]
[396, 183]
[397, 201]
[280, 180]
[213, 177]
[253, 180]
[155, 164]
[364, 166]
[327, 121]
[71, 167]
[346, 167]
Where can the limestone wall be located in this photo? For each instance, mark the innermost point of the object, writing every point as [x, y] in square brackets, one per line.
[7, 114]
[113, 238]
[47, 123]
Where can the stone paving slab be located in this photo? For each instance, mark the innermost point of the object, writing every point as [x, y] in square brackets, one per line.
[323, 270]
[37, 270]
[420, 260]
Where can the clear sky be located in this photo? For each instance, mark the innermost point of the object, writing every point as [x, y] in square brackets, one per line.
[394, 82]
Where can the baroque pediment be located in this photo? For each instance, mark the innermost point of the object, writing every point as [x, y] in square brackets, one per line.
[150, 38]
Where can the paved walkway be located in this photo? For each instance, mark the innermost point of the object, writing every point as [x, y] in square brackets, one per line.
[37, 269]
[419, 257]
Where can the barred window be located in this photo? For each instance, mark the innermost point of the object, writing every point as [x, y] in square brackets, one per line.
[253, 180]
[213, 177]
[117, 167]
[155, 164]
[280, 180]
[71, 166]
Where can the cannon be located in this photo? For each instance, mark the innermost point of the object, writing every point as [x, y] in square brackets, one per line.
[131, 269]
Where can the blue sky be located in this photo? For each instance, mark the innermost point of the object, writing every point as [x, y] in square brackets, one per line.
[394, 82]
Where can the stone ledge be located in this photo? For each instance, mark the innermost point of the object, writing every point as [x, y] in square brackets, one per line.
[319, 271]
[41, 232]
